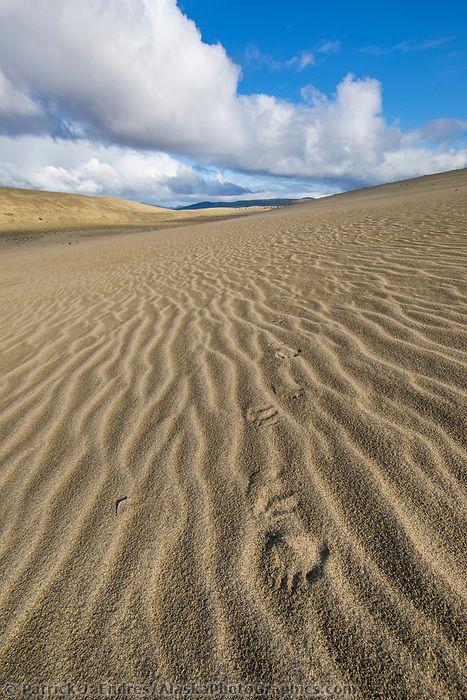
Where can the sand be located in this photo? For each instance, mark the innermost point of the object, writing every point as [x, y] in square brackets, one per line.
[233, 451]
[32, 213]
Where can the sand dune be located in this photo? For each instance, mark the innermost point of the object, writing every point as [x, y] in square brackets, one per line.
[234, 451]
[39, 211]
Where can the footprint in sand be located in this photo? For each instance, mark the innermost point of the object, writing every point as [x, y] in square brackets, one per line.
[262, 416]
[288, 391]
[285, 353]
[291, 558]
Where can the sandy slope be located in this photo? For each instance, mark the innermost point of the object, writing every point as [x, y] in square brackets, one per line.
[279, 402]
[37, 211]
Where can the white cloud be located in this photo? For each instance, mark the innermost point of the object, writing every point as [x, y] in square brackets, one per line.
[311, 58]
[134, 70]
[300, 61]
[329, 47]
[408, 46]
[306, 59]
[87, 168]
[345, 137]
[137, 73]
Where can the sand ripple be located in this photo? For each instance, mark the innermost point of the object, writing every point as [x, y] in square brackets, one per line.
[234, 451]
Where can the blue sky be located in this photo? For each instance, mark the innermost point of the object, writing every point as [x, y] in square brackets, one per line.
[172, 103]
[420, 48]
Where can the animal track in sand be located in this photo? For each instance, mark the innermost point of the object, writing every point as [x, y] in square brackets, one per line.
[262, 416]
[285, 353]
[277, 505]
[291, 558]
[288, 392]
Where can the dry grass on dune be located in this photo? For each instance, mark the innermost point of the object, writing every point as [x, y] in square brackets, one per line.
[39, 211]
[235, 451]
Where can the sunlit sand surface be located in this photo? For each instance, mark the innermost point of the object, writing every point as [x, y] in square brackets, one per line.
[233, 451]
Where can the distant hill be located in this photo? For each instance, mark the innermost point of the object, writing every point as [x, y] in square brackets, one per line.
[243, 203]
[38, 210]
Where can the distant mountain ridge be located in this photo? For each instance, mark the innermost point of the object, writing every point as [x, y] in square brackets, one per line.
[243, 203]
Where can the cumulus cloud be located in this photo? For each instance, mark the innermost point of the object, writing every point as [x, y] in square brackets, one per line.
[344, 136]
[137, 73]
[87, 168]
[132, 70]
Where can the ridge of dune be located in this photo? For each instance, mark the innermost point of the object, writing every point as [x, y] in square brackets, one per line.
[235, 451]
[39, 210]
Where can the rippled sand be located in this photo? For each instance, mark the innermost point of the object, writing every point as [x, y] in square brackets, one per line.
[233, 451]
